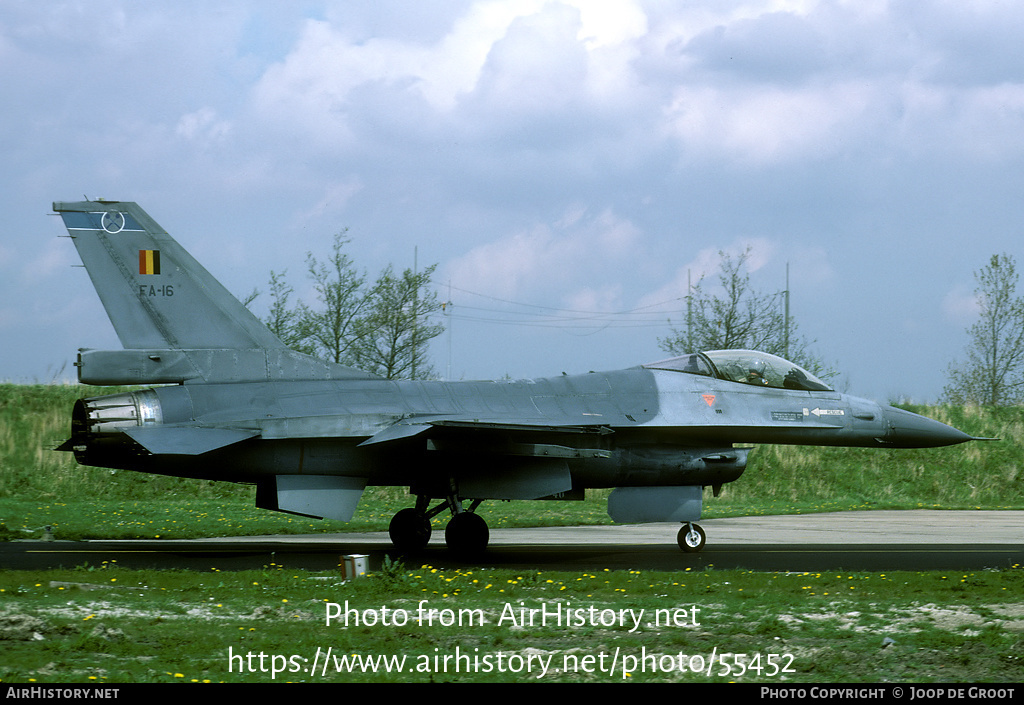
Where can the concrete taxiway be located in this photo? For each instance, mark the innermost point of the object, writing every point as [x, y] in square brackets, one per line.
[867, 540]
[882, 527]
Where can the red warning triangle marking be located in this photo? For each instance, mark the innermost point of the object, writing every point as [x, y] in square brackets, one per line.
[709, 398]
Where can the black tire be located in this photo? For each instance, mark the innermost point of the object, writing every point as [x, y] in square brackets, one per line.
[409, 530]
[691, 542]
[467, 534]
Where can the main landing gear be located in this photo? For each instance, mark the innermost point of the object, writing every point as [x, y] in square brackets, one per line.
[691, 537]
[466, 533]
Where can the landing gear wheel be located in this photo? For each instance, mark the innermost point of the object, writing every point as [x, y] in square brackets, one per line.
[467, 533]
[691, 538]
[409, 530]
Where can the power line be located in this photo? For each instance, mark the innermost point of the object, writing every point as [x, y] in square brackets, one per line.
[539, 315]
[565, 310]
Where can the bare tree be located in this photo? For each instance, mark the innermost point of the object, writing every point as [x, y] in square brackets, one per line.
[283, 320]
[993, 372]
[384, 329]
[739, 317]
[330, 329]
[392, 338]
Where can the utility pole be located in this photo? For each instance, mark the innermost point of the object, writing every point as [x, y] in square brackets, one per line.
[786, 323]
[415, 306]
[689, 312]
[444, 310]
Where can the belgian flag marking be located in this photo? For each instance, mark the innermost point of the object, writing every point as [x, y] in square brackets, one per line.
[149, 261]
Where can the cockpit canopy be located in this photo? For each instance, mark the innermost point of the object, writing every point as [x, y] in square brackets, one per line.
[744, 366]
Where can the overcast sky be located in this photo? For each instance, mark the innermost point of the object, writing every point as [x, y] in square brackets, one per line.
[566, 164]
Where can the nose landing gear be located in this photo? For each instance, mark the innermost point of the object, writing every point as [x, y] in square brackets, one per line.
[691, 537]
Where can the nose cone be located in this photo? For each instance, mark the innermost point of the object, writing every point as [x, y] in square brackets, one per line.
[909, 430]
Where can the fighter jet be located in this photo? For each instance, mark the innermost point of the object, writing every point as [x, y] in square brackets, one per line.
[236, 404]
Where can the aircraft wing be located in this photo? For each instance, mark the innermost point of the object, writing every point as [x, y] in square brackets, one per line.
[502, 459]
[468, 429]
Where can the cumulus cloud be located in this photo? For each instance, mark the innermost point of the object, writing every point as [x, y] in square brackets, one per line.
[500, 63]
[763, 124]
[564, 259]
[314, 83]
[960, 305]
[706, 266]
[757, 84]
[203, 126]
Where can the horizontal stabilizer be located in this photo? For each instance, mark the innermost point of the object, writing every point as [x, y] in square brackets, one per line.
[183, 440]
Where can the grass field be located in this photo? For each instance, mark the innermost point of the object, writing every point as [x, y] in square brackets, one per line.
[420, 624]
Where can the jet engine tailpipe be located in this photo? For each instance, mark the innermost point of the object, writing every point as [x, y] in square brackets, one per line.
[98, 425]
[115, 413]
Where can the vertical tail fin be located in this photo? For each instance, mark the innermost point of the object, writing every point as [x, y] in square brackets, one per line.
[177, 323]
[155, 293]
